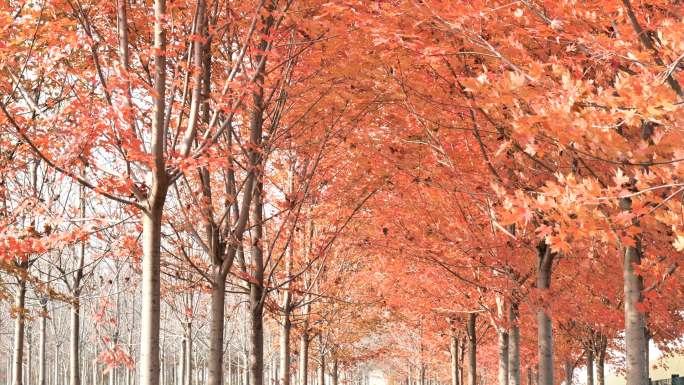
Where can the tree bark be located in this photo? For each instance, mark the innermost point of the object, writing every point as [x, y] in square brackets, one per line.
[256, 338]
[42, 359]
[218, 300]
[503, 356]
[472, 349]
[568, 371]
[321, 369]
[182, 365]
[513, 345]
[461, 359]
[75, 333]
[188, 354]
[18, 357]
[601, 363]
[635, 344]
[285, 327]
[544, 323]
[304, 353]
[647, 339]
[333, 377]
[454, 354]
[152, 215]
[29, 357]
[256, 360]
[590, 366]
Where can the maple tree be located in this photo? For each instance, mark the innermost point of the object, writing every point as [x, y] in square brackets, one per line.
[443, 191]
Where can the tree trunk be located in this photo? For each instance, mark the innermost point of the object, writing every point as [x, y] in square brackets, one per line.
[454, 354]
[461, 359]
[321, 370]
[188, 354]
[472, 350]
[304, 355]
[635, 345]
[18, 357]
[503, 356]
[218, 300]
[647, 339]
[568, 371]
[513, 345]
[601, 365]
[256, 359]
[29, 358]
[333, 377]
[285, 326]
[150, 321]
[152, 215]
[286, 323]
[42, 359]
[636, 359]
[75, 337]
[545, 328]
[590, 367]
[182, 365]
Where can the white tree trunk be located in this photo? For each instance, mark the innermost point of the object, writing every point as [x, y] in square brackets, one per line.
[304, 357]
[42, 359]
[152, 215]
[635, 343]
[513, 346]
[454, 354]
[544, 323]
[18, 356]
[285, 339]
[503, 356]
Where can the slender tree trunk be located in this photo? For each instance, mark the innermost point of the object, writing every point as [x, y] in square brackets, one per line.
[182, 366]
[513, 345]
[472, 350]
[150, 321]
[568, 371]
[503, 356]
[601, 364]
[635, 343]
[18, 357]
[285, 326]
[590, 366]
[647, 339]
[454, 354]
[94, 373]
[321, 370]
[545, 328]
[188, 354]
[75, 337]
[461, 367]
[29, 358]
[218, 300]
[152, 215]
[304, 355]
[333, 377]
[636, 359]
[256, 359]
[42, 359]
[286, 323]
